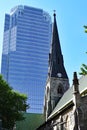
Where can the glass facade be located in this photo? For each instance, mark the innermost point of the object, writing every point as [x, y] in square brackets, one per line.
[26, 43]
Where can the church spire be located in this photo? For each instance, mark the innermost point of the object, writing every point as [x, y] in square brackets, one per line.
[56, 63]
[57, 82]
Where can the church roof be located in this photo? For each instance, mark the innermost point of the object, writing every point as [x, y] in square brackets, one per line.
[68, 96]
[31, 122]
[56, 57]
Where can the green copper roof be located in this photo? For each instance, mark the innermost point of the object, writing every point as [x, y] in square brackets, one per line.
[31, 122]
[68, 96]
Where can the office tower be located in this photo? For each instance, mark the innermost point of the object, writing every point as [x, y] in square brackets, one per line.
[27, 34]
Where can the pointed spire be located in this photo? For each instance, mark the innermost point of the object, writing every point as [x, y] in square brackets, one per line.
[76, 96]
[75, 79]
[75, 83]
[56, 59]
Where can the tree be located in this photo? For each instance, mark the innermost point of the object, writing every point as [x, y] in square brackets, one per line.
[12, 105]
[83, 70]
[85, 28]
[84, 66]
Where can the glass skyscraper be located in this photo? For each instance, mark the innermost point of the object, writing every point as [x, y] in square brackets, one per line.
[26, 42]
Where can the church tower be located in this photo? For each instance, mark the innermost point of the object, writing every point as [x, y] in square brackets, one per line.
[57, 81]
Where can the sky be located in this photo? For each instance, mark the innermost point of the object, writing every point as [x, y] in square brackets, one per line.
[71, 17]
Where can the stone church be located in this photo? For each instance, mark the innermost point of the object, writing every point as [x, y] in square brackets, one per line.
[65, 107]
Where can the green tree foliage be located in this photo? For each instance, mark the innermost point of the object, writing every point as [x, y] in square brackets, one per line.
[12, 105]
[83, 70]
[84, 66]
[85, 28]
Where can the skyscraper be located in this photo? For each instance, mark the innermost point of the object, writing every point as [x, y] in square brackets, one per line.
[27, 34]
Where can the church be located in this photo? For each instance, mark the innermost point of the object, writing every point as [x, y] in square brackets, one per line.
[65, 107]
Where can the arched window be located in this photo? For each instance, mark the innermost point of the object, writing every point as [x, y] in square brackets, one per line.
[67, 125]
[60, 124]
[60, 89]
[47, 93]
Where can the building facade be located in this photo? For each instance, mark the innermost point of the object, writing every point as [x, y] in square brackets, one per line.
[70, 112]
[65, 108]
[26, 41]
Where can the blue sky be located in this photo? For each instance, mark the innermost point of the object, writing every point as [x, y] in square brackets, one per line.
[71, 16]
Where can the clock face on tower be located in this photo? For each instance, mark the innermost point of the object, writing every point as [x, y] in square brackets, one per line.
[59, 75]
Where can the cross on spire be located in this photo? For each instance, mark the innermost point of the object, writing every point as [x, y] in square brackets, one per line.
[54, 12]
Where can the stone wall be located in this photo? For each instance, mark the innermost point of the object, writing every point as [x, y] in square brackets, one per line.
[66, 121]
